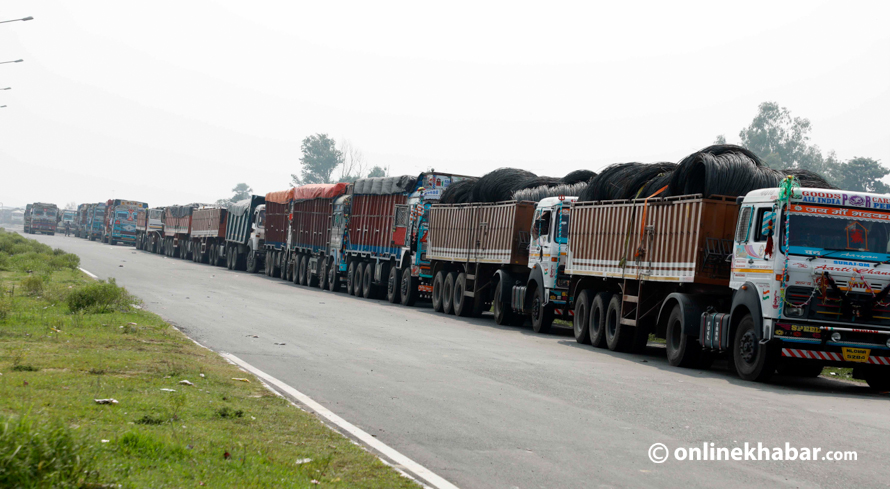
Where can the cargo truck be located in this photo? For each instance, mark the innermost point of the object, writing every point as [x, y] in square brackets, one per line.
[80, 220]
[309, 232]
[177, 229]
[244, 235]
[208, 234]
[150, 229]
[379, 236]
[96, 225]
[120, 221]
[276, 223]
[41, 218]
[789, 283]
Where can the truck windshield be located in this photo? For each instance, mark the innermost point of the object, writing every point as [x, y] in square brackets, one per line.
[261, 219]
[860, 234]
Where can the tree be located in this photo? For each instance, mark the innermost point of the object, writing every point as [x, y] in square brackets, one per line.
[71, 206]
[320, 157]
[721, 139]
[780, 140]
[241, 191]
[378, 172]
[353, 165]
[862, 174]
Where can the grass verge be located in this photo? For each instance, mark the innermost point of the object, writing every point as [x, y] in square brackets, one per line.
[217, 432]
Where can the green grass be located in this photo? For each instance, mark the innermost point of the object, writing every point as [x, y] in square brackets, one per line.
[218, 433]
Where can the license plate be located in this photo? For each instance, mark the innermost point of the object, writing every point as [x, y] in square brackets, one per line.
[859, 355]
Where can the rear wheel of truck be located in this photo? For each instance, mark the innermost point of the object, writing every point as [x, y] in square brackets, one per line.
[333, 277]
[394, 286]
[463, 305]
[408, 287]
[596, 325]
[682, 350]
[581, 324]
[252, 264]
[438, 284]
[350, 277]
[619, 337]
[448, 293]
[503, 313]
[753, 361]
[357, 279]
[542, 314]
[303, 271]
[323, 275]
[368, 281]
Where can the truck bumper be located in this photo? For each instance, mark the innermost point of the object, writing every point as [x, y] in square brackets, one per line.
[844, 356]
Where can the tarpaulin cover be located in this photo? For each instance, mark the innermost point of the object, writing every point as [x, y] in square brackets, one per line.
[384, 185]
[280, 197]
[319, 191]
[240, 207]
[182, 210]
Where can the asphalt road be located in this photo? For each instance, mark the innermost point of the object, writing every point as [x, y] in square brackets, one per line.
[489, 406]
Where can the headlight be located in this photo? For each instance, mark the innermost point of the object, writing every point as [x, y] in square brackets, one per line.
[837, 337]
[888, 343]
[793, 312]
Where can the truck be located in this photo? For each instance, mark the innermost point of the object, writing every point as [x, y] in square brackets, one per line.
[244, 235]
[776, 280]
[41, 218]
[80, 219]
[382, 242]
[69, 218]
[120, 221]
[208, 234]
[177, 230]
[96, 224]
[150, 229]
[309, 232]
[275, 232]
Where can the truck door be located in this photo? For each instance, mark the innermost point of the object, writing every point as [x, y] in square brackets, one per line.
[542, 244]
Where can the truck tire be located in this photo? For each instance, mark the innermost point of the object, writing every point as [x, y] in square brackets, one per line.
[581, 324]
[448, 293]
[463, 305]
[752, 360]
[438, 284]
[312, 279]
[323, 275]
[619, 337]
[350, 277]
[542, 314]
[252, 265]
[394, 286]
[357, 279]
[682, 350]
[599, 306]
[333, 277]
[408, 288]
[267, 265]
[295, 270]
[503, 313]
[302, 270]
[230, 258]
[368, 281]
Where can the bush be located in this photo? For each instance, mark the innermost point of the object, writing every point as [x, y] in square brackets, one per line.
[32, 284]
[99, 297]
[20, 254]
[37, 455]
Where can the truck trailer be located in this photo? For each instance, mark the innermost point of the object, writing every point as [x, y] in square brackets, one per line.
[309, 233]
[208, 234]
[177, 229]
[244, 234]
[150, 229]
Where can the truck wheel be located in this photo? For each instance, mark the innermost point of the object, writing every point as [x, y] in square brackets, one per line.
[448, 294]
[599, 306]
[333, 277]
[230, 261]
[356, 288]
[619, 337]
[753, 361]
[682, 350]
[323, 275]
[312, 278]
[350, 277]
[408, 288]
[800, 368]
[368, 281]
[581, 324]
[463, 305]
[394, 286]
[503, 313]
[301, 270]
[542, 314]
[438, 283]
[251, 261]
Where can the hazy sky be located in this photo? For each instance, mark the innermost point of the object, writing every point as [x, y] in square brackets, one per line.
[177, 101]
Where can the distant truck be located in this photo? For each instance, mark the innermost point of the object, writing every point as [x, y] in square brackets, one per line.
[120, 221]
[68, 217]
[41, 218]
[150, 229]
[208, 234]
[177, 229]
[80, 218]
[96, 224]
[244, 245]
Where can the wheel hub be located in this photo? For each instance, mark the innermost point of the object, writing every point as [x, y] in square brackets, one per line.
[748, 347]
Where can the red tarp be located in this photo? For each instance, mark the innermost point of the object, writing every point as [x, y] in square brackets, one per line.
[318, 191]
[280, 197]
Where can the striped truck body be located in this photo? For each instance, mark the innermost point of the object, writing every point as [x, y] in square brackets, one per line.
[209, 222]
[311, 224]
[371, 228]
[610, 239]
[480, 233]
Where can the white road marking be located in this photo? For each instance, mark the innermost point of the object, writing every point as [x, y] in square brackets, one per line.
[94, 277]
[399, 459]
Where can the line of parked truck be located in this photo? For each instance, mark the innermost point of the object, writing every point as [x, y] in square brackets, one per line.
[781, 280]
